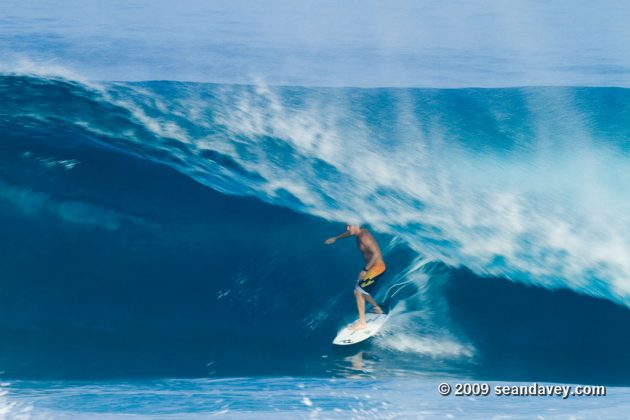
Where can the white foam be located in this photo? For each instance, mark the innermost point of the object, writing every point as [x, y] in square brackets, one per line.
[51, 162]
[11, 409]
[550, 213]
[427, 346]
[20, 65]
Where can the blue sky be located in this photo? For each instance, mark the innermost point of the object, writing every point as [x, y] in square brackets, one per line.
[333, 43]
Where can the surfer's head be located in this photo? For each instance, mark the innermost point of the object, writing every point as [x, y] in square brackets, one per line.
[353, 229]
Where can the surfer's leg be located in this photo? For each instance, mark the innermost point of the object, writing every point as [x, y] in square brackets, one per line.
[366, 285]
[372, 302]
[359, 294]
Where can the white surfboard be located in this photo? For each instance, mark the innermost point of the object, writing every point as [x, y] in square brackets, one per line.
[374, 322]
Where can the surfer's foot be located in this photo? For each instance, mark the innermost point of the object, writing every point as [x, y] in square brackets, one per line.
[357, 326]
[377, 310]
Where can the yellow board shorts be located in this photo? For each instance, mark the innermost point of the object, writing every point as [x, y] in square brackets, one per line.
[367, 282]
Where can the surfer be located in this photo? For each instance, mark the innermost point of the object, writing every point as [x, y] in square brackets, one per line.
[374, 267]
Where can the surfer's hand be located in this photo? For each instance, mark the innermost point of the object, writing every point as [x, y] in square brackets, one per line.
[329, 241]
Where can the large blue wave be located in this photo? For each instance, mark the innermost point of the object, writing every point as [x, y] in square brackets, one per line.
[175, 229]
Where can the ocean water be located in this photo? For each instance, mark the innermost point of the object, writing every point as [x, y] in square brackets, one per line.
[162, 238]
[464, 43]
[290, 398]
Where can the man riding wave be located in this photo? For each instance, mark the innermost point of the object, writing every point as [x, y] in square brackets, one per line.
[374, 267]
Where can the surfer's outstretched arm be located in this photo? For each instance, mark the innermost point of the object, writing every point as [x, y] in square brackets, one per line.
[334, 238]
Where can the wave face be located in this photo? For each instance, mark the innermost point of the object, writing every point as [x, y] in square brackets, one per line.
[175, 229]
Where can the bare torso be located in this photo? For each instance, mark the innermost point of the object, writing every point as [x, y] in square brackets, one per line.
[374, 267]
[368, 246]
